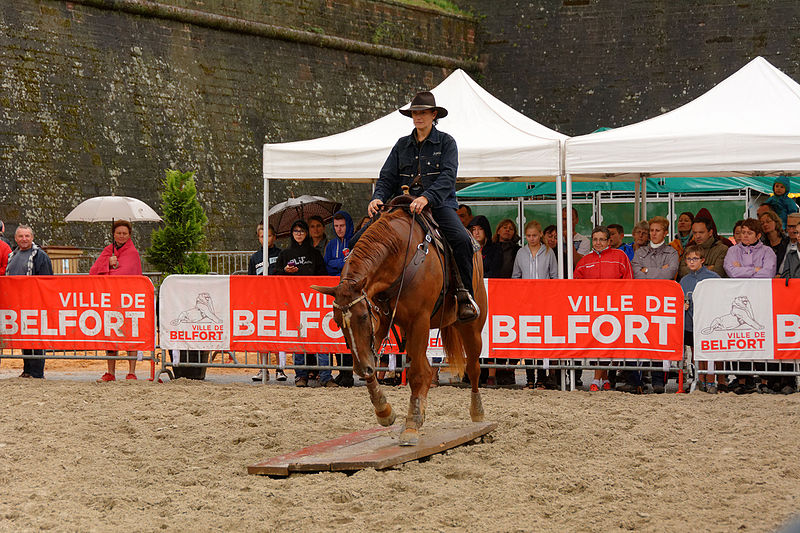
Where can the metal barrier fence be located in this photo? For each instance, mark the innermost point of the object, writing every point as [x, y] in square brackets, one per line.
[222, 262]
[82, 355]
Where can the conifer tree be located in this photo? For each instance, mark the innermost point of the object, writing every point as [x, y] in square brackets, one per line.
[174, 247]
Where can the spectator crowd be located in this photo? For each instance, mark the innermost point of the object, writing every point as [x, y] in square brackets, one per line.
[761, 247]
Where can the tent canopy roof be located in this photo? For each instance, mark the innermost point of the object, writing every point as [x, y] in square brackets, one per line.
[749, 124]
[495, 142]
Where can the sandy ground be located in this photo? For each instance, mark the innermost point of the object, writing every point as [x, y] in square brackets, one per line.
[137, 456]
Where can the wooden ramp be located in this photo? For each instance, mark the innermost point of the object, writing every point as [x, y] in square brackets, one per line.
[372, 448]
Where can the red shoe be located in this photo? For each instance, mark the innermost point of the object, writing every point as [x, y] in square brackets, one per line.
[594, 388]
[606, 385]
[130, 376]
[107, 377]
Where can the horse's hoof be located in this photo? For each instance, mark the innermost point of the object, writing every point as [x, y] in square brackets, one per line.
[409, 437]
[386, 421]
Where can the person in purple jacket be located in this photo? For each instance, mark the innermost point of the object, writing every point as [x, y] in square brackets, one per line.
[750, 258]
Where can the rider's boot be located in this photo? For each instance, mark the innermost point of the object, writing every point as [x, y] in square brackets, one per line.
[468, 310]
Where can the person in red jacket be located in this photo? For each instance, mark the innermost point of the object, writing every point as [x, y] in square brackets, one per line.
[603, 262]
[120, 258]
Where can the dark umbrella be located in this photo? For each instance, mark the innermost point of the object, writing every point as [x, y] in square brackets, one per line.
[283, 215]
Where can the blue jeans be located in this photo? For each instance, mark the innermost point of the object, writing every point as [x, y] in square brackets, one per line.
[323, 359]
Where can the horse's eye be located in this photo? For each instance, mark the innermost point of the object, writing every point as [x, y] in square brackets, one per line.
[363, 317]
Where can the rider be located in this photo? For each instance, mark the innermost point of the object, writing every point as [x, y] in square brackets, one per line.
[427, 161]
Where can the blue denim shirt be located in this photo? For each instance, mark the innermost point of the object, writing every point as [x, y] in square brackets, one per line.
[435, 159]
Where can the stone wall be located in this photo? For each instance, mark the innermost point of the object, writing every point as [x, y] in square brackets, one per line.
[576, 65]
[100, 96]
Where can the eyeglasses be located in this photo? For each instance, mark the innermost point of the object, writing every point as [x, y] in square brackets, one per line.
[693, 259]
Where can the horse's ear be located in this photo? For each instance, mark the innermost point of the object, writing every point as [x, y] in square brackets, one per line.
[330, 291]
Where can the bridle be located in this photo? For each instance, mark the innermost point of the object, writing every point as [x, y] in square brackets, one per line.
[347, 314]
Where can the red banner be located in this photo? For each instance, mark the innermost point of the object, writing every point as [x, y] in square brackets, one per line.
[77, 312]
[595, 319]
[283, 313]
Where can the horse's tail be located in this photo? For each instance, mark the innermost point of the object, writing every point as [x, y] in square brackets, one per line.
[454, 349]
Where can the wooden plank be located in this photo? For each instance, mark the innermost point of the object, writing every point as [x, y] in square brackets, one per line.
[279, 466]
[372, 448]
[431, 442]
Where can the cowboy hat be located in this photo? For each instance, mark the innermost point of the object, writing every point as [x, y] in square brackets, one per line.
[424, 100]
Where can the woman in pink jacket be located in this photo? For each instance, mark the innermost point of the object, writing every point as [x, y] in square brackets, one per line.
[119, 258]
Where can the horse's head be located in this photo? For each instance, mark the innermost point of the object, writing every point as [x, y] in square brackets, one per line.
[358, 318]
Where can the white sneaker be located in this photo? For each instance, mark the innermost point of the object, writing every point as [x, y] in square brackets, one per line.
[258, 376]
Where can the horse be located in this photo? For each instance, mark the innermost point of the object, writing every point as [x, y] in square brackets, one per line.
[388, 281]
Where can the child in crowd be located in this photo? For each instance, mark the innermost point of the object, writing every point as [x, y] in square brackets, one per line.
[780, 202]
[695, 258]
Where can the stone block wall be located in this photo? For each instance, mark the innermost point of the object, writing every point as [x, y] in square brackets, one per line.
[99, 97]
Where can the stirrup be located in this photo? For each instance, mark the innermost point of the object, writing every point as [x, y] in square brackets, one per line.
[468, 309]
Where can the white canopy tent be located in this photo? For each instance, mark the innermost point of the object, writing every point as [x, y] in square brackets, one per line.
[495, 142]
[749, 124]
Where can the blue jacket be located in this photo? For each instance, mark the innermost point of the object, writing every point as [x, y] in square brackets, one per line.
[782, 205]
[435, 159]
[334, 251]
[688, 283]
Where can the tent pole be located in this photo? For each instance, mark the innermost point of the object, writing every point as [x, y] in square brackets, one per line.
[265, 218]
[636, 217]
[644, 197]
[559, 227]
[570, 229]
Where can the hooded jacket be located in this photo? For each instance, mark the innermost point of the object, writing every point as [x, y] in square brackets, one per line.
[749, 257]
[541, 266]
[610, 263]
[490, 252]
[653, 260]
[306, 258]
[782, 205]
[334, 251]
[130, 264]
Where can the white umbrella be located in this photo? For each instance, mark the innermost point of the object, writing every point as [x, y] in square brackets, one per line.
[110, 208]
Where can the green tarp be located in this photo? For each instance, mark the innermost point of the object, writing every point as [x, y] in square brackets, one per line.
[660, 185]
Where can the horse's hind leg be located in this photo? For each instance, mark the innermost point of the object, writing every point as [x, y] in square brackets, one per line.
[472, 347]
[419, 379]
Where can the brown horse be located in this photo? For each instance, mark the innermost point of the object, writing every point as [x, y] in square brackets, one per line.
[383, 277]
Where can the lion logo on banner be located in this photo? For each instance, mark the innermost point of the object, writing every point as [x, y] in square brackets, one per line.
[741, 314]
[203, 311]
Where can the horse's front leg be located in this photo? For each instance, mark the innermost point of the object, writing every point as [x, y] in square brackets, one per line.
[419, 379]
[383, 409]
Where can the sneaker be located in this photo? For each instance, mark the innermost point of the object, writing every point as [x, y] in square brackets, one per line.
[25, 375]
[107, 377]
[260, 375]
[280, 375]
[763, 388]
[345, 380]
[658, 389]
[330, 383]
[131, 376]
[595, 386]
[606, 385]
[301, 382]
[787, 389]
[711, 388]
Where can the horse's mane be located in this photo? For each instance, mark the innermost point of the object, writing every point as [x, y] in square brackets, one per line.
[379, 242]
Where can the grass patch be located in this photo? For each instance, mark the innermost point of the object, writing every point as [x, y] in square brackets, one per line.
[442, 5]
